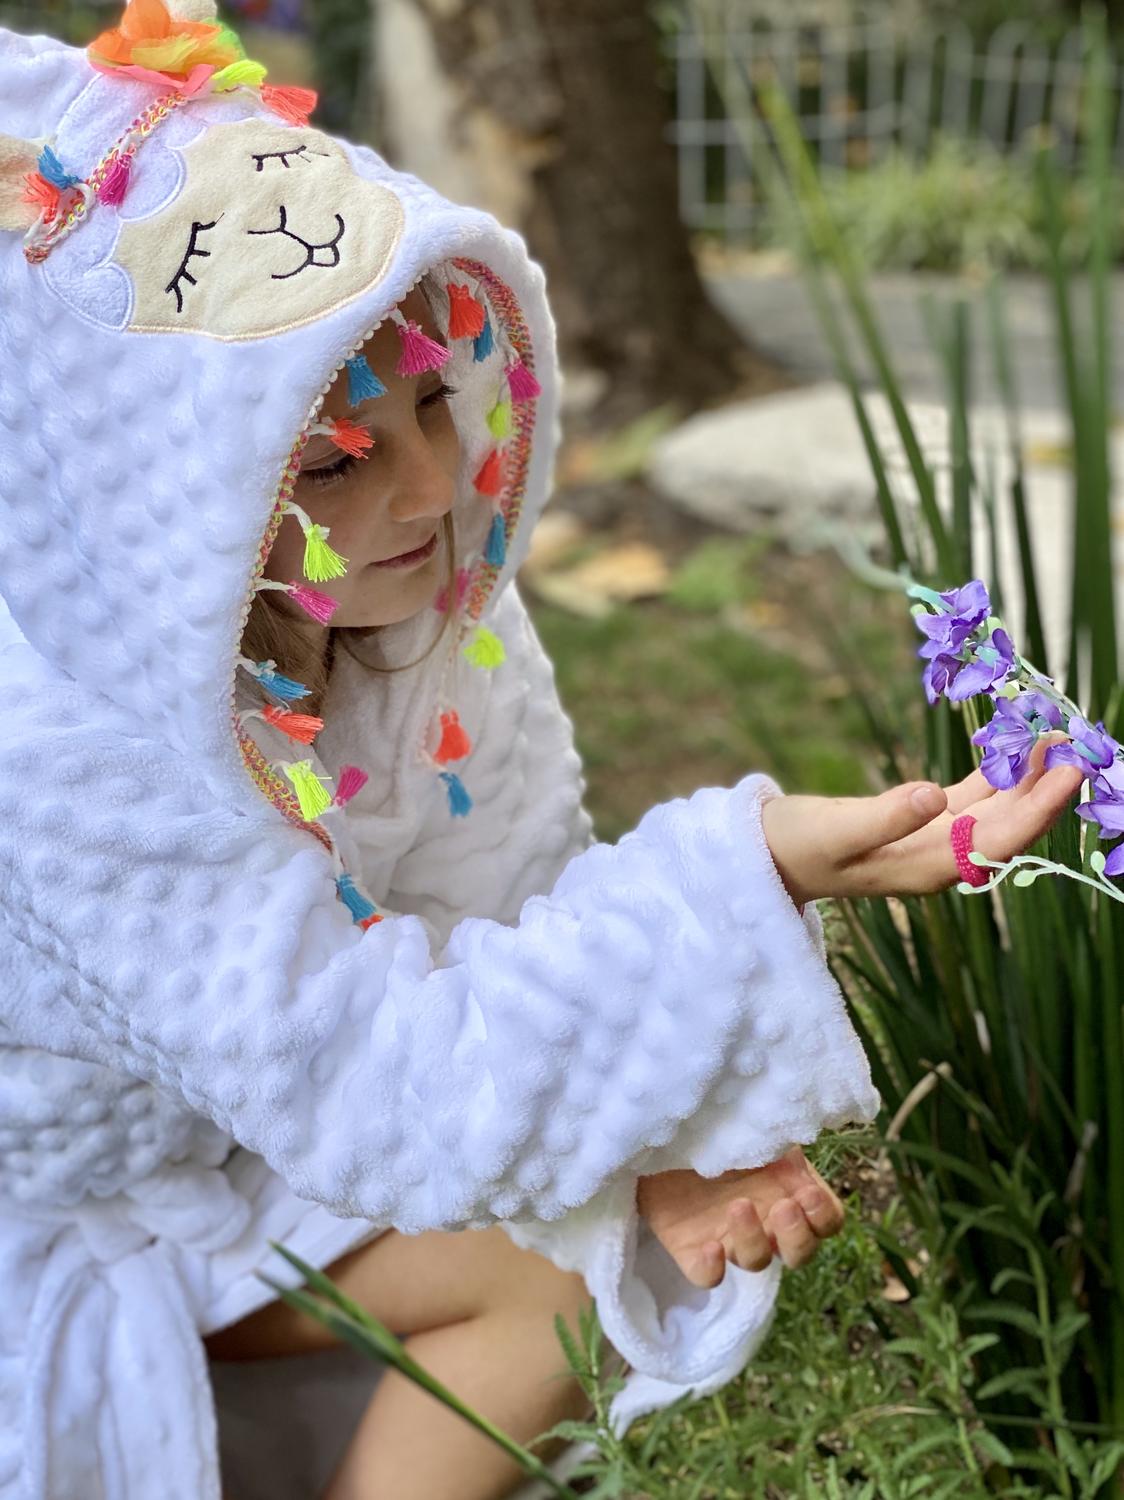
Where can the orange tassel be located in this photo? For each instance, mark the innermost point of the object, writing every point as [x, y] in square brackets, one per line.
[371, 920]
[489, 479]
[292, 104]
[455, 743]
[466, 316]
[351, 437]
[41, 194]
[302, 727]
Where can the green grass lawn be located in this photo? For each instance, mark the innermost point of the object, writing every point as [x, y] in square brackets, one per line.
[745, 664]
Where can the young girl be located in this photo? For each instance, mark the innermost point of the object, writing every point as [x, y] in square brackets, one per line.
[306, 936]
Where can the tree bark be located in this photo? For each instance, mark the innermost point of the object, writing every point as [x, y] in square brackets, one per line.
[551, 113]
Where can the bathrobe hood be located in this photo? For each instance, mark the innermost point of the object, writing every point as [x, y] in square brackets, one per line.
[173, 350]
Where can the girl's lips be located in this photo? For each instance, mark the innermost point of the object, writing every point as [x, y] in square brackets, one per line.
[411, 559]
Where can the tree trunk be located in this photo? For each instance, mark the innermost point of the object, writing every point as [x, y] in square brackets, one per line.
[551, 114]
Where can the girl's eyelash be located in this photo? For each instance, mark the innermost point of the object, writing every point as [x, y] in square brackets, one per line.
[327, 473]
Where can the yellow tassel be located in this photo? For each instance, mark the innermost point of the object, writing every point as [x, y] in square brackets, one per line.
[313, 796]
[485, 649]
[244, 71]
[499, 419]
[320, 562]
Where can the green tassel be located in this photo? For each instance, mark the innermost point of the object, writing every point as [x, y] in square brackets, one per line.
[499, 419]
[313, 796]
[485, 649]
[244, 71]
[320, 562]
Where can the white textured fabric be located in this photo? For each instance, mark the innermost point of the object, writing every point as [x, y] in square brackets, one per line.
[199, 1051]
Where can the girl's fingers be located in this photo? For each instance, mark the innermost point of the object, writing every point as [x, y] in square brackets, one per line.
[964, 794]
[1028, 816]
[822, 1209]
[746, 1243]
[857, 825]
[707, 1267]
[795, 1238]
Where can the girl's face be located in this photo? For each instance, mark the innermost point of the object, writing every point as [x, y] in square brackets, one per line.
[390, 502]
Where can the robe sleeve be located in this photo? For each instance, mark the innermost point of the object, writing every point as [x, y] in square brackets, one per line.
[528, 823]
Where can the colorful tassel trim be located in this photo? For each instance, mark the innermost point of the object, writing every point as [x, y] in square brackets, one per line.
[485, 649]
[419, 351]
[42, 195]
[291, 103]
[484, 342]
[490, 476]
[320, 607]
[53, 170]
[496, 551]
[441, 603]
[362, 382]
[466, 316]
[301, 727]
[350, 781]
[460, 803]
[320, 562]
[363, 910]
[274, 681]
[346, 434]
[313, 796]
[500, 419]
[455, 743]
[115, 184]
[521, 383]
[241, 74]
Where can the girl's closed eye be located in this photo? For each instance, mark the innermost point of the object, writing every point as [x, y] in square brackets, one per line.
[333, 472]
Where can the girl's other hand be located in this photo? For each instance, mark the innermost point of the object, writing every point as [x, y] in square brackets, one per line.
[897, 844]
[785, 1208]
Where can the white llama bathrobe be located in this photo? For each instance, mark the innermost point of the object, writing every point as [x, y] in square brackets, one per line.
[200, 1051]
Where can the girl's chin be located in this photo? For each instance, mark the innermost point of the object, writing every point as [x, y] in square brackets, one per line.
[400, 601]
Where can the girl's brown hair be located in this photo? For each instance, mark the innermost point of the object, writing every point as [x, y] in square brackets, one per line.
[272, 635]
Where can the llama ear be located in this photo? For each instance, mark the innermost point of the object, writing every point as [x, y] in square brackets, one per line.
[193, 10]
[17, 158]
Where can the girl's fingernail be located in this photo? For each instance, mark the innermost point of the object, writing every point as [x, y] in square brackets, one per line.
[928, 800]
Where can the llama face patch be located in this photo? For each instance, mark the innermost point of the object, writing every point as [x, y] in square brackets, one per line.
[270, 229]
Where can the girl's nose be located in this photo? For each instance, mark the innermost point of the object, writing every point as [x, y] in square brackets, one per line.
[420, 484]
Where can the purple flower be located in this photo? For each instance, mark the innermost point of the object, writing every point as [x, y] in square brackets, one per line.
[1012, 734]
[1092, 748]
[949, 629]
[989, 666]
[1107, 810]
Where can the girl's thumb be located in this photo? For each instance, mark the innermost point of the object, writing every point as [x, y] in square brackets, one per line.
[877, 821]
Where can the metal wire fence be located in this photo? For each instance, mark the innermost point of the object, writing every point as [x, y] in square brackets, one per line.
[861, 89]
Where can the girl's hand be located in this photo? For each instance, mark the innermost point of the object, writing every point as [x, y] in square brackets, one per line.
[783, 1209]
[897, 844]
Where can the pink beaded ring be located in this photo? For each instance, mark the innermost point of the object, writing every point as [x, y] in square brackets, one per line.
[960, 836]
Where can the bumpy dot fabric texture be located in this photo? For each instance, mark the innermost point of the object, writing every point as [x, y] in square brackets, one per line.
[187, 1005]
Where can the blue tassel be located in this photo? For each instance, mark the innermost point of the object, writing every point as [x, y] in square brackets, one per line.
[362, 382]
[496, 552]
[280, 686]
[356, 903]
[483, 343]
[54, 171]
[460, 803]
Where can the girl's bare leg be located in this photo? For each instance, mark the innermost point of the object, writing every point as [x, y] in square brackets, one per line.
[478, 1313]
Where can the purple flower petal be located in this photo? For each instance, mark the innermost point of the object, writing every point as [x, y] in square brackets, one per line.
[1114, 864]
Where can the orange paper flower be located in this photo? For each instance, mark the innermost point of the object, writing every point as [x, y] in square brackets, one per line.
[152, 45]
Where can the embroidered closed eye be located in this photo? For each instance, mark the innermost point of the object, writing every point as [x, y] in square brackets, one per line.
[183, 274]
[261, 157]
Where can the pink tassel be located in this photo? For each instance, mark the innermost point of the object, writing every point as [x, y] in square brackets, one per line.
[521, 383]
[441, 603]
[351, 780]
[115, 183]
[320, 606]
[419, 351]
